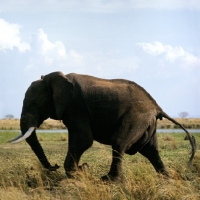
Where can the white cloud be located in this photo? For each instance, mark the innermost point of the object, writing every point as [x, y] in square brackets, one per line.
[10, 37]
[172, 54]
[46, 47]
[53, 56]
[154, 48]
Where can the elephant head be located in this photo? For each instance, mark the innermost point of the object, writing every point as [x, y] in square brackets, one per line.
[47, 97]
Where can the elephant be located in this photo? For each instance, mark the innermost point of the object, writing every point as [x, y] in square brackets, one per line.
[114, 112]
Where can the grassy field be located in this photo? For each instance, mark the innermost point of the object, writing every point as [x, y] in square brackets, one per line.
[22, 177]
[14, 124]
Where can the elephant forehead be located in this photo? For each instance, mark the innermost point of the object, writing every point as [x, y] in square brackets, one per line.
[36, 88]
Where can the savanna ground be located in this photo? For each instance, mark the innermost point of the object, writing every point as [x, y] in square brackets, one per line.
[23, 177]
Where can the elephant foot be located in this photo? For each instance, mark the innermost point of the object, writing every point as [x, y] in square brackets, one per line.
[53, 168]
[166, 173]
[163, 172]
[70, 175]
[109, 178]
[83, 168]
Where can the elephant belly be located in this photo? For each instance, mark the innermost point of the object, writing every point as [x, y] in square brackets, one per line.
[102, 136]
[104, 124]
[135, 147]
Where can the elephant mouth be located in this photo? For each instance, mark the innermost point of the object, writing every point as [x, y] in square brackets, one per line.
[22, 137]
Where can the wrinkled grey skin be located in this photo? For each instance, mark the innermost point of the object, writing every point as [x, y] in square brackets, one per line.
[118, 112]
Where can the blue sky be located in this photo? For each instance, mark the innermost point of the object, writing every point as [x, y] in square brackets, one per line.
[154, 43]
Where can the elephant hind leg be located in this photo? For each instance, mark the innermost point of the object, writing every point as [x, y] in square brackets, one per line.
[146, 136]
[128, 134]
[138, 145]
[150, 151]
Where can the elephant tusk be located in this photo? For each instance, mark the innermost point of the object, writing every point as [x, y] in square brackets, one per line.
[23, 137]
[15, 138]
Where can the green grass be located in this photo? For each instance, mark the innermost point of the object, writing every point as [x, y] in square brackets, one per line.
[22, 176]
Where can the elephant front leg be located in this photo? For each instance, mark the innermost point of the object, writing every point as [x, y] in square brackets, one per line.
[71, 165]
[71, 162]
[116, 167]
[73, 156]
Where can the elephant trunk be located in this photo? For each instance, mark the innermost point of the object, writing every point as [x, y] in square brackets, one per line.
[32, 140]
[37, 149]
[30, 122]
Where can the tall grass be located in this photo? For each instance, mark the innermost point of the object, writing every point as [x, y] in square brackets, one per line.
[22, 176]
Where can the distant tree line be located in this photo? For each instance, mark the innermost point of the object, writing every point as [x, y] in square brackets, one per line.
[183, 114]
[9, 116]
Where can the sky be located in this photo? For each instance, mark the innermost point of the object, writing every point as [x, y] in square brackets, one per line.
[153, 43]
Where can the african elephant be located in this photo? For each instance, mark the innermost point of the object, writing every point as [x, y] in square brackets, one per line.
[114, 112]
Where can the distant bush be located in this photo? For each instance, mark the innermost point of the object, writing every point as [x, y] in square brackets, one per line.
[9, 116]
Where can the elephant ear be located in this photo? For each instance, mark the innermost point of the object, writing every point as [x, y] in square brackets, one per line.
[61, 89]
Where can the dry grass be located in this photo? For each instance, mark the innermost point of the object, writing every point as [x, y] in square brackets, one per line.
[9, 124]
[52, 124]
[190, 123]
[22, 176]
[14, 124]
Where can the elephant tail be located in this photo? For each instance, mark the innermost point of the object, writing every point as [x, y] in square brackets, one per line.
[190, 137]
